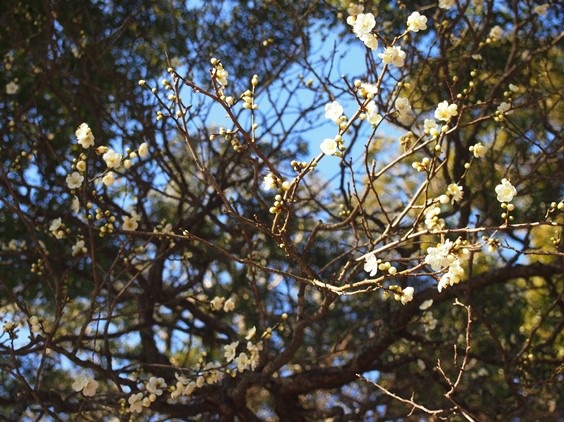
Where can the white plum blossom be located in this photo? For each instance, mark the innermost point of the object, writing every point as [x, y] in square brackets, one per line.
[112, 158]
[440, 256]
[243, 362]
[447, 4]
[79, 248]
[229, 305]
[143, 150]
[452, 276]
[135, 403]
[329, 146]
[364, 24]
[370, 41]
[86, 384]
[12, 88]
[455, 191]
[155, 385]
[504, 108]
[230, 351]
[254, 350]
[407, 295]
[270, 182]
[496, 33]
[221, 76]
[505, 191]
[84, 136]
[131, 223]
[416, 22]
[368, 90]
[393, 55]
[445, 111]
[541, 9]
[371, 264]
[333, 111]
[109, 178]
[217, 303]
[74, 180]
[478, 150]
[372, 115]
[355, 9]
[432, 220]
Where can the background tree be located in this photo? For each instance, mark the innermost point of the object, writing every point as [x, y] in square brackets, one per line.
[176, 246]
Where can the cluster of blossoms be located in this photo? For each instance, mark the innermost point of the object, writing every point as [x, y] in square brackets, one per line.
[34, 324]
[219, 74]
[271, 182]
[85, 384]
[362, 25]
[432, 220]
[447, 255]
[153, 388]
[218, 303]
[393, 55]
[372, 265]
[57, 228]
[505, 192]
[333, 146]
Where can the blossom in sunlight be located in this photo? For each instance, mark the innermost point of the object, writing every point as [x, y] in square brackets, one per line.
[270, 182]
[84, 136]
[455, 191]
[79, 248]
[329, 146]
[155, 385]
[445, 111]
[452, 276]
[440, 256]
[496, 33]
[74, 180]
[229, 305]
[447, 4]
[135, 403]
[12, 88]
[505, 191]
[333, 111]
[541, 9]
[230, 350]
[478, 150]
[86, 384]
[504, 108]
[370, 41]
[416, 22]
[372, 115]
[131, 223]
[371, 264]
[407, 295]
[217, 303]
[143, 150]
[393, 55]
[109, 178]
[364, 24]
[251, 333]
[112, 158]
[243, 362]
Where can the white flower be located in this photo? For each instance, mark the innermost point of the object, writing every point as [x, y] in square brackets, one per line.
[112, 158]
[393, 55]
[230, 351]
[455, 191]
[541, 9]
[135, 403]
[87, 385]
[440, 256]
[372, 115]
[368, 90]
[355, 9]
[452, 276]
[84, 136]
[432, 220]
[329, 146]
[370, 41]
[478, 150]
[12, 88]
[217, 303]
[130, 223]
[402, 105]
[270, 182]
[428, 125]
[333, 111]
[143, 150]
[445, 111]
[504, 108]
[407, 295]
[229, 305]
[364, 23]
[426, 305]
[446, 4]
[155, 385]
[242, 362]
[221, 76]
[251, 333]
[505, 191]
[74, 180]
[55, 224]
[109, 179]
[416, 22]
[254, 350]
[496, 33]
[78, 248]
[371, 264]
